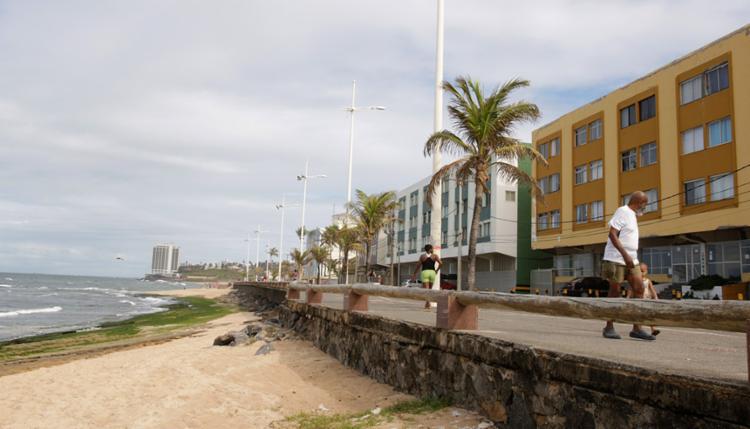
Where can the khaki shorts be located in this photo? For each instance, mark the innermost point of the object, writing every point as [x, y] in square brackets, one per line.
[616, 273]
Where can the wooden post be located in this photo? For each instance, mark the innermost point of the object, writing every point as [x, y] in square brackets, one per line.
[451, 314]
[355, 302]
[314, 297]
[292, 294]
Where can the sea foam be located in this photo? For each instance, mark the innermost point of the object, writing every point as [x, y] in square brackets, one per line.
[54, 309]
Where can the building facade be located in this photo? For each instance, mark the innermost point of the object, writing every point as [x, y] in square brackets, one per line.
[682, 135]
[165, 260]
[496, 246]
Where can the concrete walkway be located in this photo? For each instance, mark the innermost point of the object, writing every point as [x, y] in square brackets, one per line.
[694, 352]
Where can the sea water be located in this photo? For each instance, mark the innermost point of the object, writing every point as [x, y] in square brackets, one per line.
[33, 304]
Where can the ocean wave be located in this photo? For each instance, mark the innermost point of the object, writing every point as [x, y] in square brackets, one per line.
[125, 301]
[9, 279]
[54, 309]
[6, 286]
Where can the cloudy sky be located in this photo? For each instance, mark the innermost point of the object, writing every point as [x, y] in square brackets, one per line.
[129, 123]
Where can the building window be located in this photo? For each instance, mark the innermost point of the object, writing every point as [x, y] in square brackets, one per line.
[582, 213]
[719, 132]
[695, 192]
[581, 136]
[597, 210]
[628, 159]
[541, 223]
[510, 195]
[444, 238]
[484, 229]
[648, 154]
[722, 187]
[595, 130]
[543, 184]
[658, 259]
[544, 150]
[554, 219]
[444, 211]
[554, 147]
[625, 199]
[692, 140]
[653, 201]
[724, 259]
[596, 169]
[627, 116]
[691, 90]
[554, 183]
[581, 174]
[717, 78]
[647, 108]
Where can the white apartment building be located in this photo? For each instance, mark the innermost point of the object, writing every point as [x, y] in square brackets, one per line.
[164, 260]
[496, 246]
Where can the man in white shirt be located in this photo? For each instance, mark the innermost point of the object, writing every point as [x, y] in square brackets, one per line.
[620, 261]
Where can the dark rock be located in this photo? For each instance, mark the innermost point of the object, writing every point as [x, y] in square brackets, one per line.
[224, 340]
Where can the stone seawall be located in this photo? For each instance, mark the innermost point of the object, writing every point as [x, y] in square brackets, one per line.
[515, 385]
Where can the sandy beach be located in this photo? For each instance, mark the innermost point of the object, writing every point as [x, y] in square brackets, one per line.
[189, 383]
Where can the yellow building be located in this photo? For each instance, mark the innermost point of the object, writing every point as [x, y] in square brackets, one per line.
[682, 135]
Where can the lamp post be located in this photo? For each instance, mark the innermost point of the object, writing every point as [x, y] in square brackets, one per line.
[351, 109]
[247, 259]
[257, 232]
[436, 221]
[282, 207]
[304, 178]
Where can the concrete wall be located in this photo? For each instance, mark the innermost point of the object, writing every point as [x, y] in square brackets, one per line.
[514, 385]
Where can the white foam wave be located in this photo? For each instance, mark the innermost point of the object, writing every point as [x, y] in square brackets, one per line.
[54, 309]
[6, 286]
[125, 301]
[9, 279]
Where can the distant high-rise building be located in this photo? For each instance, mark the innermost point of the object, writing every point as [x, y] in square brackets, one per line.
[165, 259]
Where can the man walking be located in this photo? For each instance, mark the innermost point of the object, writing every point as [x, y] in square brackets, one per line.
[620, 260]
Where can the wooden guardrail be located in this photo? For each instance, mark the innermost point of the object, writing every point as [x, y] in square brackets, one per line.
[459, 310]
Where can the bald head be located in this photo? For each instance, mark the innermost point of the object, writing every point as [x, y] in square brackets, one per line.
[638, 201]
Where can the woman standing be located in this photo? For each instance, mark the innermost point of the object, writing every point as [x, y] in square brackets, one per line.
[429, 264]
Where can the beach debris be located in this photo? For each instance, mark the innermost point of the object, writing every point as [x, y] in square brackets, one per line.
[485, 425]
[456, 413]
[322, 408]
[376, 411]
[264, 349]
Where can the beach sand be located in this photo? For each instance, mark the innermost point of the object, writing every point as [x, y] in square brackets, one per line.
[188, 383]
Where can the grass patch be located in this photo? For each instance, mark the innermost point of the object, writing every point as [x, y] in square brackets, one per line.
[366, 419]
[188, 311]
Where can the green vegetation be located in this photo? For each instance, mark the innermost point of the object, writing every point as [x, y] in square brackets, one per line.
[216, 274]
[367, 419]
[189, 311]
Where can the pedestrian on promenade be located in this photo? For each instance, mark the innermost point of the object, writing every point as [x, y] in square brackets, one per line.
[620, 261]
[649, 292]
[429, 264]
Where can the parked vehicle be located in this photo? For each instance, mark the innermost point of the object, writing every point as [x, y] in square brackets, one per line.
[585, 287]
[448, 281]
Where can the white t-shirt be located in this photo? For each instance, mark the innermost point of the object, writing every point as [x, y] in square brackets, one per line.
[625, 221]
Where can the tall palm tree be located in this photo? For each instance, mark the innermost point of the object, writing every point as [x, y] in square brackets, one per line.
[483, 123]
[272, 252]
[300, 259]
[319, 254]
[371, 213]
[348, 241]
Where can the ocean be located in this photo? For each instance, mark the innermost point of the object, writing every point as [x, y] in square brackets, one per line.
[33, 304]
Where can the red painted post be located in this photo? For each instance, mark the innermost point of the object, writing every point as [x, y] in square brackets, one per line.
[451, 314]
[292, 294]
[314, 297]
[355, 302]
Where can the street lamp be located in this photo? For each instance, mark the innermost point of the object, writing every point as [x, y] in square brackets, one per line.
[282, 207]
[351, 111]
[257, 232]
[304, 178]
[247, 259]
[436, 222]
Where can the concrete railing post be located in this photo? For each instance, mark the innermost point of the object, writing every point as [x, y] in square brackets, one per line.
[451, 314]
[314, 297]
[355, 302]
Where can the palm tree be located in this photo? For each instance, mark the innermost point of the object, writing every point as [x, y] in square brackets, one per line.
[348, 241]
[371, 213]
[300, 259]
[319, 254]
[271, 253]
[483, 140]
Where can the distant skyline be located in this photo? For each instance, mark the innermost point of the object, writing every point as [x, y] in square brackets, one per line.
[128, 124]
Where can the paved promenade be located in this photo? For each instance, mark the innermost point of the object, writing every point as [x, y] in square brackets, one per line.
[696, 352]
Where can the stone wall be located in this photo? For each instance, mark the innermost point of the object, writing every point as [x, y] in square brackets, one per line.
[515, 385]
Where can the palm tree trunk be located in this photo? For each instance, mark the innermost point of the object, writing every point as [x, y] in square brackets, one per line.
[367, 260]
[473, 235]
[345, 266]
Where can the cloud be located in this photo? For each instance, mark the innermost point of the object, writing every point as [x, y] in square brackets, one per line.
[127, 124]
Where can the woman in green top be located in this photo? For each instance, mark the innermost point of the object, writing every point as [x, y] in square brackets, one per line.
[429, 264]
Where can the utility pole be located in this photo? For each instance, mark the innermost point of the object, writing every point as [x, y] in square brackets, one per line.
[437, 205]
[258, 232]
[247, 259]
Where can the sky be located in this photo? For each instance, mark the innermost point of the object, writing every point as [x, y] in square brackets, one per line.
[128, 124]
